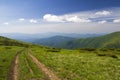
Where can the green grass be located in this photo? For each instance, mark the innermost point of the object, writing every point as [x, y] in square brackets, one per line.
[78, 65]
[25, 64]
[66, 64]
[7, 54]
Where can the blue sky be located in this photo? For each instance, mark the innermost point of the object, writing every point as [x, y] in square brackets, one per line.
[76, 16]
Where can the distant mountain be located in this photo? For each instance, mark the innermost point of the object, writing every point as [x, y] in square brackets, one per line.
[53, 41]
[107, 41]
[33, 37]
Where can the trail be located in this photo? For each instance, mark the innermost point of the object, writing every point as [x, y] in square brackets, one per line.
[44, 69]
[13, 73]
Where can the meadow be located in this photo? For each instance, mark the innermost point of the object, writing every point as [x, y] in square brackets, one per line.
[81, 64]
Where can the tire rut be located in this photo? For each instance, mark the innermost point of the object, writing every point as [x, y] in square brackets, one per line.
[43, 68]
[13, 72]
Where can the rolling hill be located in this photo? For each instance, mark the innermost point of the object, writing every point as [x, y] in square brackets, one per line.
[32, 37]
[111, 40]
[53, 41]
[10, 42]
[108, 41]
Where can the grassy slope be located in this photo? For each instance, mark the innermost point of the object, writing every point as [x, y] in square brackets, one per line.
[67, 64]
[108, 41]
[80, 65]
[53, 41]
[8, 50]
[10, 42]
[7, 55]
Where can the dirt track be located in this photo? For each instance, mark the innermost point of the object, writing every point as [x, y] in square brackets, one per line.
[13, 72]
[44, 69]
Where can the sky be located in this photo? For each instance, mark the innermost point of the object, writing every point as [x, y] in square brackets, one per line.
[63, 16]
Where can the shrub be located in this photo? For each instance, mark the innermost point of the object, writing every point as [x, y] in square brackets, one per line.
[101, 54]
[54, 50]
[109, 55]
[8, 47]
[113, 56]
[103, 49]
[88, 49]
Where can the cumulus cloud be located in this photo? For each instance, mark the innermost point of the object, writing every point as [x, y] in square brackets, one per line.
[52, 18]
[6, 23]
[21, 19]
[33, 21]
[116, 21]
[85, 16]
[102, 22]
[77, 19]
[66, 18]
[80, 22]
[103, 13]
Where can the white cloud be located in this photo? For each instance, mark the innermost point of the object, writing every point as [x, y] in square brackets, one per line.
[52, 18]
[68, 23]
[64, 18]
[85, 16]
[77, 19]
[21, 19]
[103, 13]
[33, 21]
[6, 23]
[116, 21]
[102, 22]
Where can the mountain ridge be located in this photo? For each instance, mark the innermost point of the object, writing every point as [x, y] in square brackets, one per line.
[111, 40]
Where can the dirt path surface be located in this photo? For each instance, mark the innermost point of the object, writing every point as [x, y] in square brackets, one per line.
[44, 69]
[13, 73]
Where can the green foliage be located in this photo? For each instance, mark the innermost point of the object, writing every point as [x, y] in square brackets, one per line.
[110, 55]
[53, 49]
[108, 41]
[75, 65]
[10, 42]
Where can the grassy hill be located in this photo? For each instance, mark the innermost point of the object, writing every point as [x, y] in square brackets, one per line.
[98, 64]
[53, 41]
[10, 42]
[107, 41]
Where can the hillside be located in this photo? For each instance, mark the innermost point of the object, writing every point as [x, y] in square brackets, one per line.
[10, 42]
[38, 36]
[53, 41]
[107, 41]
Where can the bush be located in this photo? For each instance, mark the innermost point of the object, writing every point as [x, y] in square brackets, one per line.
[118, 49]
[88, 49]
[54, 50]
[113, 56]
[8, 47]
[109, 55]
[103, 49]
[101, 54]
